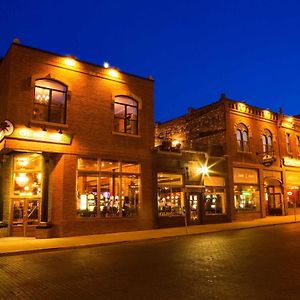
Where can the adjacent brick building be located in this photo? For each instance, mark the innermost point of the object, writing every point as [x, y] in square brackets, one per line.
[75, 146]
[260, 150]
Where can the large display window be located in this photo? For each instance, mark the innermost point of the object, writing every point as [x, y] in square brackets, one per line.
[214, 195]
[246, 197]
[170, 197]
[107, 188]
[246, 189]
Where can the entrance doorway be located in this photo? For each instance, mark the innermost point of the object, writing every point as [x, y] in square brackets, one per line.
[194, 199]
[273, 200]
[25, 216]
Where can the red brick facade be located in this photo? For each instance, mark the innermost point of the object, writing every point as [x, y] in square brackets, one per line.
[91, 91]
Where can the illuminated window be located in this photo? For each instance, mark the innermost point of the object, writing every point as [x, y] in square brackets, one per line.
[288, 143]
[107, 188]
[242, 138]
[50, 101]
[125, 115]
[170, 197]
[246, 197]
[267, 142]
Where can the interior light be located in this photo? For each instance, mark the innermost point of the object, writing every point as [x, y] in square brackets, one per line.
[83, 202]
[175, 143]
[22, 179]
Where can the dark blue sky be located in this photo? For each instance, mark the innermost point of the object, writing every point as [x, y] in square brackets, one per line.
[195, 50]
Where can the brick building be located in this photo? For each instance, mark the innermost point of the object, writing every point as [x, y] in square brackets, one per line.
[75, 146]
[261, 152]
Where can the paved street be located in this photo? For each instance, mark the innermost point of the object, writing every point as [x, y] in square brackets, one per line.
[261, 263]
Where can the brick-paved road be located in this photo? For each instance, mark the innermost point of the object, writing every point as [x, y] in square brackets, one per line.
[261, 263]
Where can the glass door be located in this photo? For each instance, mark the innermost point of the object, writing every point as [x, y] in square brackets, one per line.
[26, 194]
[194, 206]
[25, 216]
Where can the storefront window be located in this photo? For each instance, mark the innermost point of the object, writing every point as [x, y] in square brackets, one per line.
[170, 196]
[293, 196]
[112, 191]
[170, 202]
[214, 201]
[28, 175]
[246, 197]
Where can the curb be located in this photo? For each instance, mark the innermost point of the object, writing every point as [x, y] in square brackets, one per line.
[103, 243]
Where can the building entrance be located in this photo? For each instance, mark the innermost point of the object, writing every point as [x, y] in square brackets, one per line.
[25, 216]
[274, 199]
[194, 199]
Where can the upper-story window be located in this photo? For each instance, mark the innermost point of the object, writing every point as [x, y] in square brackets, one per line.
[267, 142]
[242, 138]
[50, 101]
[125, 115]
[288, 142]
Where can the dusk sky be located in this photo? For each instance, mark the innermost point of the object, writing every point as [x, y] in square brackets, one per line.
[195, 50]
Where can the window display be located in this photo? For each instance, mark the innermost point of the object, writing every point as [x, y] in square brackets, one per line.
[107, 188]
[246, 197]
[170, 197]
[214, 201]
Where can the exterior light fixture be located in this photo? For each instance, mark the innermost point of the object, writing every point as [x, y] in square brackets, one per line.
[113, 73]
[106, 65]
[267, 114]
[204, 170]
[241, 107]
[69, 61]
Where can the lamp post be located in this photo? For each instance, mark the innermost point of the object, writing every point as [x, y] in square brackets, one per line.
[204, 171]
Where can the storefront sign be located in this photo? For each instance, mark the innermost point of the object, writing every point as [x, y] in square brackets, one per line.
[245, 176]
[291, 162]
[6, 129]
[268, 160]
[292, 178]
[41, 136]
[214, 181]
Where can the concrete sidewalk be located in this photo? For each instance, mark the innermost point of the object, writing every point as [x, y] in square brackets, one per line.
[21, 245]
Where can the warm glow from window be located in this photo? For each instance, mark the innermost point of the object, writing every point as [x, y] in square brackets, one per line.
[113, 73]
[70, 62]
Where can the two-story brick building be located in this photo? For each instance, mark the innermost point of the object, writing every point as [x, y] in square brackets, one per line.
[261, 150]
[75, 146]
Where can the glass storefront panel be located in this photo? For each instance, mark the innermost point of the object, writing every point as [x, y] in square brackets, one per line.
[246, 197]
[87, 196]
[170, 198]
[293, 196]
[130, 195]
[214, 201]
[107, 192]
[170, 201]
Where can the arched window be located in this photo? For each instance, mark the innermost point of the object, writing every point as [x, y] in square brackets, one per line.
[125, 115]
[267, 142]
[242, 138]
[50, 101]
